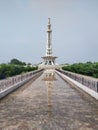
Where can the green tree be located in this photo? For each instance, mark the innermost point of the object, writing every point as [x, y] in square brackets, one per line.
[4, 71]
[88, 68]
[7, 70]
[17, 62]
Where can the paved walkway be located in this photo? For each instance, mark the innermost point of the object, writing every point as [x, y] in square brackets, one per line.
[48, 103]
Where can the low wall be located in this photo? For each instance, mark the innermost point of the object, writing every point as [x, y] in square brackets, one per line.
[89, 82]
[41, 66]
[78, 85]
[10, 84]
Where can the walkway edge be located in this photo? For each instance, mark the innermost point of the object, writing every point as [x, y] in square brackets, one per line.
[16, 86]
[79, 85]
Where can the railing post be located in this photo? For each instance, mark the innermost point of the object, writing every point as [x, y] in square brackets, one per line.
[97, 87]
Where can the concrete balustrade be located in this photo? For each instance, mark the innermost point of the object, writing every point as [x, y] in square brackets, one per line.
[78, 81]
[89, 82]
[10, 84]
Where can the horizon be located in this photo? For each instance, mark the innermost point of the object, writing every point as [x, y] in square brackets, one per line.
[41, 62]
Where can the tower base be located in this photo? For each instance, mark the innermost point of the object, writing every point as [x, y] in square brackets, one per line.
[41, 66]
[49, 60]
[49, 63]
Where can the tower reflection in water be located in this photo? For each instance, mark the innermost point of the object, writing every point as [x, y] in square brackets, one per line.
[49, 77]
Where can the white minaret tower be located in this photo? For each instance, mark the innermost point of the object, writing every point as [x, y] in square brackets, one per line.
[48, 58]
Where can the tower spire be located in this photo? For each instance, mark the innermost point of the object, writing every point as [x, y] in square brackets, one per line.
[49, 20]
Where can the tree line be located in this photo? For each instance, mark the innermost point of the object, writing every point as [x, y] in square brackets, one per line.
[88, 68]
[15, 67]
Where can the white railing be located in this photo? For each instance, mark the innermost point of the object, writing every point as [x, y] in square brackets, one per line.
[12, 81]
[89, 82]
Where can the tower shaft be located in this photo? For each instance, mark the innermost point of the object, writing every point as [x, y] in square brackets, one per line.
[49, 37]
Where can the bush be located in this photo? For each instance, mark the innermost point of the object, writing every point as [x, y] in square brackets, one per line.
[89, 68]
[7, 70]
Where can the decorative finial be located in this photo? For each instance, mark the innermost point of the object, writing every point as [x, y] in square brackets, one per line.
[49, 20]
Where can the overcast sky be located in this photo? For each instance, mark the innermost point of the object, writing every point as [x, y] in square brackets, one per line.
[23, 25]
